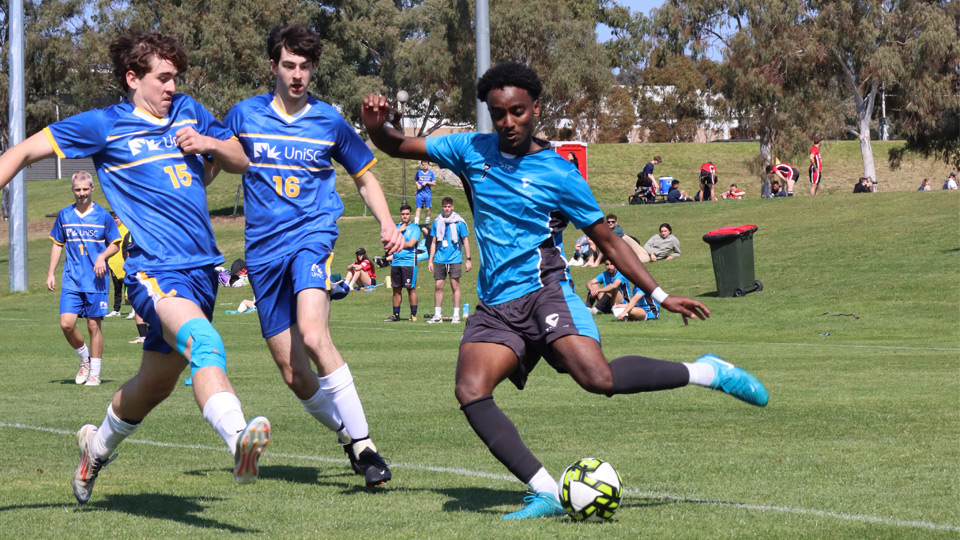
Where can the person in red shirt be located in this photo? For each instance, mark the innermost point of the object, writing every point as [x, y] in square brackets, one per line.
[786, 173]
[361, 271]
[708, 179]
[816, 166]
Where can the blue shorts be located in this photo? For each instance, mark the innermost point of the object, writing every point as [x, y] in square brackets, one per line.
[90, 305]
[146, 288]
[423, 199]
[276, 284]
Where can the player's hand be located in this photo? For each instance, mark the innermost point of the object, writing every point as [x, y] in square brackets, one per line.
[688, 307]
[623, 315]
[467, 265]
[51, 283]
[375, 110]
[392, 239]
[191, 142]
[430, 267]
[100, 267]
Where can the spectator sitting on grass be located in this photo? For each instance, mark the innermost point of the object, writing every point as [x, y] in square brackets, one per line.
[614, 223]
[609, 288]
[676, 194]
[733, 193]
[863, 185]
[924, 185]
[776, 190]
[663, 246]
[639, 308]
[951, 182]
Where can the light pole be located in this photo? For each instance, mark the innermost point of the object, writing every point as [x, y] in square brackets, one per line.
[402, 97]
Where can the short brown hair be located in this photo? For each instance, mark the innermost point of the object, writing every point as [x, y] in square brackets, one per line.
[132, 52]
[445, 200]
[296, 38]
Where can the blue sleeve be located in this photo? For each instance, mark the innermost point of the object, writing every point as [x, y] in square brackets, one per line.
[623, 279]
[448, 150]
[350, 150]
[416, 232]
[81, 135]
[600, 278]
[433, 228]
[56, 233]
[207, 124]
[648, 168]
[110, 232]
[462, 229]
[577, 201]
[233, 120]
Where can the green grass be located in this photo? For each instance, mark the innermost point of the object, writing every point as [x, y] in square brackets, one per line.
[859, 440]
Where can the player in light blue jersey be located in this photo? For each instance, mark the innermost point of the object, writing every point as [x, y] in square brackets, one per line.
[425, 179]
[89, 235]
[523, 195]
[292, 207]
[608, 288]
[403, 269]
[148, 151]
[449, 257]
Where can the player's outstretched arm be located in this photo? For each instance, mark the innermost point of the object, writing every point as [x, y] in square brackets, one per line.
[627, 262]
[33, 149]
[372, 194]
[375, 114]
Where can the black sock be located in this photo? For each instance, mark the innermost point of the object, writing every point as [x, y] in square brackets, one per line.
[632, 374]
[501, 437]
[142, 329]
[413, 311]
[396, 311]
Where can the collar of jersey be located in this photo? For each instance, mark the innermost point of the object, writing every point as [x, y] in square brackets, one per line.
[288, 117]
[84, 214]
[142, 114]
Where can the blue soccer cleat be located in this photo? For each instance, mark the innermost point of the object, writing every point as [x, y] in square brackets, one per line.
[735, 381]
[339, 290]
[540, 505]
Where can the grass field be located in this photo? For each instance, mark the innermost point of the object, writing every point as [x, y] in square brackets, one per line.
[859, 440]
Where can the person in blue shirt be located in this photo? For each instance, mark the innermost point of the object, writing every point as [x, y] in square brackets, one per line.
[89, 235]
[640, 307]
[449, 256]
[608, 288]
[155, 152]
[425, 179]
[403, 270]
[292, 207]
[523, 195]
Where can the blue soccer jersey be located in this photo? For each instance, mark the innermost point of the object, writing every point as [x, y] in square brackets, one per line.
[449, 252]
[84, 237]
[605, 280]
[520, 207]
[290, 191]
[157, 191]
[423, 177]
[408, 256]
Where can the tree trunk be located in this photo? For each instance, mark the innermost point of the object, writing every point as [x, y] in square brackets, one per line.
[864, 112]
[766, 143]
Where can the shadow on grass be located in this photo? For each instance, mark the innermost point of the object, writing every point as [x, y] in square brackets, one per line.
[72, 382]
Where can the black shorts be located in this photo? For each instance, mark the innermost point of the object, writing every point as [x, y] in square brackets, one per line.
[706, 178]
[441, 271]
[403, 276]
[529, 324]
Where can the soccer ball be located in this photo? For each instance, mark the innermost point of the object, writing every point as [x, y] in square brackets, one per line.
[590, 490]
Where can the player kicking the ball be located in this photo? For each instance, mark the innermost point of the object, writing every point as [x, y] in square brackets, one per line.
[148, 154]
[523, 195]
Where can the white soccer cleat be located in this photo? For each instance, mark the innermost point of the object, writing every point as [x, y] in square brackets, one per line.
[455, 319]
[113, 314]
[88, 469]
[138, 340]
[250, 445]
[435, 319]
[83, 374]
[132, 315]
[92, 380]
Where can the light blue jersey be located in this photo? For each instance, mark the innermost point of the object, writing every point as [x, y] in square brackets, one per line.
[407, 257]
[520, 207]
[157, 191]
[605, 280]
[84, 237]
[290, 196]
[449, 252]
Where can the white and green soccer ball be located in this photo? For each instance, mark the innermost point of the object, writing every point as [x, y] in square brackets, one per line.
[590, 490]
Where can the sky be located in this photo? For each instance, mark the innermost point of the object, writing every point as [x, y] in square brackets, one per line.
[603, 34]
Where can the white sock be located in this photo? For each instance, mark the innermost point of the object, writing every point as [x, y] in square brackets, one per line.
[437, 312]
[323, 410]
[111, 433]
[701, 373]
[542, 482]
[223, 412]
[340, 390]
[416, 220]
[84, 353]
[242, 307]
[95, 366]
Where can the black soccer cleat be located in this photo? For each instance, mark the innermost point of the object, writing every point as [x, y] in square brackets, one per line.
[375, 471]
[353, 460]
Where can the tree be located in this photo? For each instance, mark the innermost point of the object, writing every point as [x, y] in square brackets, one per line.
[673, 95]
[617, 118]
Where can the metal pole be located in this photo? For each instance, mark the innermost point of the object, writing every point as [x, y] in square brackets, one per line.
[404, 165]
[18, 199]
[59, 165]
[484, 124]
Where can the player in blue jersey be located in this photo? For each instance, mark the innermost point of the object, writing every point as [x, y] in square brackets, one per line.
[449, 256]
[608, 288]
[292, 207]
[148, 150]
[89, 235]
[425, 179]
[523, 195]
[403, 269]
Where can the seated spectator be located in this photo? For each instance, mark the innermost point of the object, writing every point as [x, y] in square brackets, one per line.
[924, 185]
[361, 271]
[581, 252]
[863, 185]
[646, 189]
[951, 182]
[676, 194]
[733, 193]
[246, 306]
[610, 287]
[663, 246]
[640, 307]
[614, 223]
[776, 190]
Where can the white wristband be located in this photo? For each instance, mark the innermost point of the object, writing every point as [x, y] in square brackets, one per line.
[658, 295]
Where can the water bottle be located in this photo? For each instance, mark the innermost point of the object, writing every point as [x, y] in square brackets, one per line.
[466, 310]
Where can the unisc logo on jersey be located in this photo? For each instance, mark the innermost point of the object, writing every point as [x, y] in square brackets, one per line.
[261, 147]
[140, 145]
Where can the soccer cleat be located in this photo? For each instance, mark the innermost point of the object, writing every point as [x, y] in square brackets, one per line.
[392, 318]
[132, 315]
[735, 381]
[249, 446]
[539, 505]
[93, 380]
[112, 314]
[140, 339]
[435, 319]
[413, 318]
[354, 464]
[375, 470]
[455, 319]
[88, 469]
[339, 291]
[83, 373]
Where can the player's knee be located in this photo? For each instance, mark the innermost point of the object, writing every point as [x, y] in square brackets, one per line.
[316, 341]
[207, 349]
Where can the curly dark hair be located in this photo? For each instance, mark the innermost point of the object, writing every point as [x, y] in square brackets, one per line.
[509, 74]
[299, 39]
[132, 52]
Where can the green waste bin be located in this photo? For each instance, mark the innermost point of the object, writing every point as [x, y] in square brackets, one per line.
[732, 251]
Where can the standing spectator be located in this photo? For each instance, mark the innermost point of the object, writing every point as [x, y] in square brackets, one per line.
[572, 158]
[776, 190]
[90, 237]
[449, 256]
[117, 274]
[425, 179]
[786, 173]
[361, 270]
[646, 174]
[403, 272]
[816, 166]
[663, 246]
[610, 287]
[924, 185]
[708, 179]
[951, 182]
[733, 193]
[676, 194]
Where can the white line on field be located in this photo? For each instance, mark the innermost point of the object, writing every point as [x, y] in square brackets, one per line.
[916, 524]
